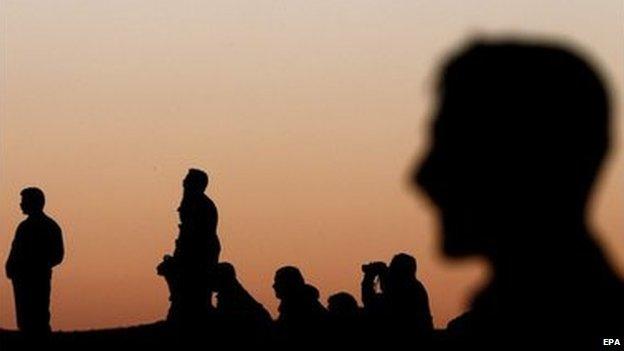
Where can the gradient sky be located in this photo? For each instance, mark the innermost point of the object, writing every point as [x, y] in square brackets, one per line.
[306, 114]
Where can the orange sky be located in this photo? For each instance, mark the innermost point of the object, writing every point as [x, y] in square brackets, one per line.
[306, 114]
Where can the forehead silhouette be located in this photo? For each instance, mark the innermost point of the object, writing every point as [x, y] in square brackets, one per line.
[524, 96]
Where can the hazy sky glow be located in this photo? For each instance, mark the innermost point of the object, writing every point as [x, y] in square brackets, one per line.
[306, 114]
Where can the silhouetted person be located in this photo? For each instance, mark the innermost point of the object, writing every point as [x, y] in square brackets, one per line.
[345, 321]
[243, 320]
[36, 248]
[190, 271]
[400, 309]
[302, 318]
[518, 138]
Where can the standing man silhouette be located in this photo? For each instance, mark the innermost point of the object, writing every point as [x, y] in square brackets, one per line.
[190, 271]
[36, 248]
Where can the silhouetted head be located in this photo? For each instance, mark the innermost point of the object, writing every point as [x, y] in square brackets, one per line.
[226, 275]
[402, 266]
[518, 136]
[195, 181]
[33, 201]
[288, 280]
[342, 304]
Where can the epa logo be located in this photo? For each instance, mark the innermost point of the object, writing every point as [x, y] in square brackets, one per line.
[611, 342]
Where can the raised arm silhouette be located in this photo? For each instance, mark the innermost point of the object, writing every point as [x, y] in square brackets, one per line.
[36, 249]
[518, 137]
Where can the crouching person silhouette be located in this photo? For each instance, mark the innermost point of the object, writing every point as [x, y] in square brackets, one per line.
[302, 319]
[36, 248]
[190, 271]
[243, 321]
[345, 325]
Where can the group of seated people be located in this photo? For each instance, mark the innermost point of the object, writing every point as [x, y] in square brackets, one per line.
[395, 310]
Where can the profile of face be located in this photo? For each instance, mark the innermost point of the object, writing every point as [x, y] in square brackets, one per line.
[454, 176]
[518, 135]
[288, 280]
[25, 206]
[278, 288]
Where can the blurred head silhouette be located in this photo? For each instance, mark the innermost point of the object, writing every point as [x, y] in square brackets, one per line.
[33, 201]
[195, 181]
[288, 281]
[518, 137]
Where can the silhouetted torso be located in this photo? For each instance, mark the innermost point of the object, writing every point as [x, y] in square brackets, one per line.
[37, 247]
[408, 306]
[197, 246]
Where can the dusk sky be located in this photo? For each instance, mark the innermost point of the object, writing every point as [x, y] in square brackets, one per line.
[307, 115]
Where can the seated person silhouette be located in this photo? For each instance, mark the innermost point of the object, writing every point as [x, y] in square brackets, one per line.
[302, 317]
[518, 137]
[345, 321]
[36, 249]
[400, 310]
[191, 268]
[244, 321]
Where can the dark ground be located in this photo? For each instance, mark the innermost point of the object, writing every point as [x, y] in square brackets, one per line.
[153, 335]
